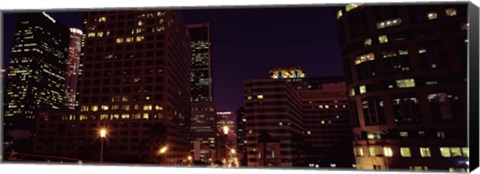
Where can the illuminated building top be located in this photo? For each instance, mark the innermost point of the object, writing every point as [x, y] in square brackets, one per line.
[287, 72]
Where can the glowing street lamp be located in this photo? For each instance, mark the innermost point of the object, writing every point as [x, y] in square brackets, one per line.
[103, 134]
[226, 129]
[163, 150]
[233, 151]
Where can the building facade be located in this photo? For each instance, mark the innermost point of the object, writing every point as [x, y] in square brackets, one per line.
[73, 68]
[135, 85]
[406, 78]
[292, 121]
[241, 136]
[328, 131]
[36, 73]
[203, 123]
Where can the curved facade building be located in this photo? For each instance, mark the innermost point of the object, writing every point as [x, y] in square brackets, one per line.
[405, 68]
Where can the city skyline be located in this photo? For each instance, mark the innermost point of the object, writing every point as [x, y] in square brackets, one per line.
[385, 89]
[235, 57]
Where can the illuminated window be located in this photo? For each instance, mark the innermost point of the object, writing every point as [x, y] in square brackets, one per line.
[260, 97]
[125, 116]
[387, 151]
[445, 151]
[100, 34]
[466, 152]
[451, 11]
[364, 58]
[119, 40]
[405, 152]
[102, 19]
[129, 39]
[140, 23]
[94, 108]
[84, 108]
[425, 152]
[280, 123]
[367, 42]
[389, 23]
[147, 107]
[339, 14]
[360, 151]
[139, 38]
[320, 106]
[352, 92]
[349, 7]
[91, 34]
[103, 116]
[327, 106]
[371, 151]
[432, 15]
[456, 151]
[403, 52]
[126, 107]
[104, 107]
[383, 39]
[404, 134]
[406, 83]
[146, 116]
[372, 136]
[83, 117]
[363, 89]
[157, 107]
[249, 97]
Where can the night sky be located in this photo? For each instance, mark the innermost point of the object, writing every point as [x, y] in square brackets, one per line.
[247, 43]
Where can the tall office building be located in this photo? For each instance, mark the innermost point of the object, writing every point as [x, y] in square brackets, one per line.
[135, 85]
[201, 75]
[37, 69]
[406, 76]
[203, 123]
[73, 68]
[289, 121]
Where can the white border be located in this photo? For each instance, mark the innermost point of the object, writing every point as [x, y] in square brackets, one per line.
[10, 5]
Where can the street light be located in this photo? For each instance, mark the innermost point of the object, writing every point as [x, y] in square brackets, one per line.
[103, 134]
[189, 158]
[233, 151]
[226, 129]
[163, 150]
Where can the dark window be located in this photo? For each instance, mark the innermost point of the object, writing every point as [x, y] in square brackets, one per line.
[386, 12]
[396, 61]
[432, 56]
[354, 114]
[365, 66]
[357, 23]
[406, 109]
[373, 112]
[445, 106]
[420, 12]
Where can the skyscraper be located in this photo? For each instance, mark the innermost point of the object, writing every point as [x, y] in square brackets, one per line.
[37, 69]
[203, 128]
[135, 85]
[73, 67]
[201, 77]
[406, 78]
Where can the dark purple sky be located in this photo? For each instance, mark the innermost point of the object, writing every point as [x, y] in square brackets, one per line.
[247, 43]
